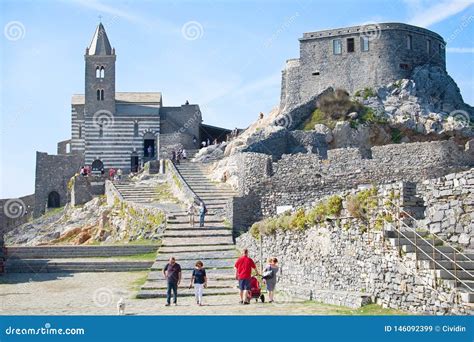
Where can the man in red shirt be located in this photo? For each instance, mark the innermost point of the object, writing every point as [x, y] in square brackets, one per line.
[243, 267]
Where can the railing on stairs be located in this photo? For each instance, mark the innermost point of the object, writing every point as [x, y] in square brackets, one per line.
[431, 258]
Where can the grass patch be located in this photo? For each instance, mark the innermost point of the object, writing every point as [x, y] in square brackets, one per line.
[139, 282]
[139, 257]
[163, 193]
[52, 212]
[367, 310]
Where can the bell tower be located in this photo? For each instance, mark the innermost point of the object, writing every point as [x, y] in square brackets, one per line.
[99, 75]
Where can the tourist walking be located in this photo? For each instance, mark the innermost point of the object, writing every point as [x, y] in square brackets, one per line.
[185, 155]
[199, 279]
[119, 174]
[195, 141]
[172, 273]
[202, 214]
[269, 276]
[191, 214]
[243, 273]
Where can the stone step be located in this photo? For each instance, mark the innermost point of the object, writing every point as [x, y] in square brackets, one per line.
[197, 241]
[177, 250]
[146, 294]
[191, 264]
[428, 249]
[211, 284]
[446, 256]
[199, 255]
[216, 274]
[196, 234]
[44, 252]
[463, 275]
[178, 228]
[449, 265]
[467, 297]
[411, 242]
[59, 265]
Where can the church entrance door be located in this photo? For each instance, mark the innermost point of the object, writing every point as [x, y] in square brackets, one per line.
[134, 163]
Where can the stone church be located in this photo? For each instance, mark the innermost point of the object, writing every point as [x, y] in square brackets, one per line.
[112, 129]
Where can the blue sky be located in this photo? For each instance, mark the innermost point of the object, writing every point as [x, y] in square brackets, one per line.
[232, 69]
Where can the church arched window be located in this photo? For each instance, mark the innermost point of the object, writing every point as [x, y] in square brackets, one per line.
[135, 129]
[98, 94]
[102, 94]
[102, 72]
[97, 72]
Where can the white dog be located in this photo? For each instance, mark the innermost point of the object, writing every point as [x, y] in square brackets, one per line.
[121, 306]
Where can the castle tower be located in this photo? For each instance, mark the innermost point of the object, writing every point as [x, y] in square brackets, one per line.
[100, 74]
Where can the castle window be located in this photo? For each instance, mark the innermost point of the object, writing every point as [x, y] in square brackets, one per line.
[441, 48]
[316, 73]
[428, 46]
[102, 72]
[350, 45]
[135, 129]
[97, 72]
[102, 94]
[336, 46]
[409, 42]
[364, 43]
[98, 95]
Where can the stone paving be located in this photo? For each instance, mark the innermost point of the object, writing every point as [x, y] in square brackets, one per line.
[98, 293]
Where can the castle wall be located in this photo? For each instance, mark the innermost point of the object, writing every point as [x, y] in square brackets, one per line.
[345, 262]
[15, 211]
[388, 59]
[77, 129]
[299, 179]
[52, 174]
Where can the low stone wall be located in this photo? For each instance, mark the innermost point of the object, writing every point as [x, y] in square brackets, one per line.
[450, 207]
[346, 261]
[83, 189]
[179, 187]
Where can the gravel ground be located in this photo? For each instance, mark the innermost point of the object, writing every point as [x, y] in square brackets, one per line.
[98, 294]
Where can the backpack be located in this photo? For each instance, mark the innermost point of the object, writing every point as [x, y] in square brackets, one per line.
[267, 273]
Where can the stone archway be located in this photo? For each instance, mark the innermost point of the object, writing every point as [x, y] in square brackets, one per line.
[149, 146]
[54, 200]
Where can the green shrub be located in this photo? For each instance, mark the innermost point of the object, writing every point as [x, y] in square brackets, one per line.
[298, 220]
[397, 135]
[334, 205]
[317, 214]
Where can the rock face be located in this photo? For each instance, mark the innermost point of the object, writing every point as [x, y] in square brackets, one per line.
[93, 222]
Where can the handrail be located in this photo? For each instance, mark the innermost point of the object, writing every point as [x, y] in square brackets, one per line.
[435, 235]
[429, 257]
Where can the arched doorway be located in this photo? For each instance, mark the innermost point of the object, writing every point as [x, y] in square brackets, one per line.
[149, 147]
[54, 200]
[97, 165]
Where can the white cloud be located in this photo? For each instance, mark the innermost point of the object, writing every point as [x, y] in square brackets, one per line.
[425, 15]
[460, 50]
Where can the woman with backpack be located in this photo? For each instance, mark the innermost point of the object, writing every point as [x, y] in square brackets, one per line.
[202, 214]
[269, 276]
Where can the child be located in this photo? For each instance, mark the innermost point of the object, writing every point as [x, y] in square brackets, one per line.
[199, 279]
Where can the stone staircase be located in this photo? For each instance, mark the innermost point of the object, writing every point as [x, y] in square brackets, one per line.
[213, 244]
[65, 259]
[135, 192]
[448, 262]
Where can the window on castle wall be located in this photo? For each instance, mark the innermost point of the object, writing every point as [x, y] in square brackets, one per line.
[135, 129]
[337, 46]
[428, 46]
[364, 43]
[404, 66]
[409, 42]
[440, 49]
[102, 72]
[97, 72]
[350, 45]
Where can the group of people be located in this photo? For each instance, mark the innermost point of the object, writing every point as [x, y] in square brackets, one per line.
[176, 156]
[202, 211]
[243, 273]
[115, 175]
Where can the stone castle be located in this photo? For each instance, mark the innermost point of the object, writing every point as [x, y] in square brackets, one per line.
[353, 58]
